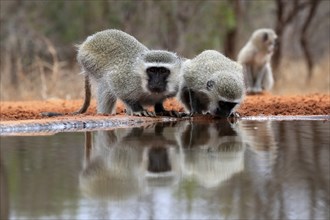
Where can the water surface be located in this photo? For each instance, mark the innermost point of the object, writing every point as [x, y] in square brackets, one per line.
[176, 170]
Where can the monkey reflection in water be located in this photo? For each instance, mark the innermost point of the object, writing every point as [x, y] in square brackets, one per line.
[117, 162]
[122, 163]
[211, 152]
[109, 170]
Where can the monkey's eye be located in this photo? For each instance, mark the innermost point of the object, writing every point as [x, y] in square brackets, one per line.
[265, 37]
[152, 70]
[210, 84]
[158, 70]
[163, 70]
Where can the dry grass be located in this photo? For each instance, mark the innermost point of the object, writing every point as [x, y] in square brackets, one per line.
[45, 81]
[292, 78]
[32, 70]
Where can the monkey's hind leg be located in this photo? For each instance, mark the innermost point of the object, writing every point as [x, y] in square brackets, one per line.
[267, 80]
[105, 99]
[259, 78]
[248, 78]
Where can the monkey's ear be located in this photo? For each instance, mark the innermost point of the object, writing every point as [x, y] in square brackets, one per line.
[209, 85]
[265, 37]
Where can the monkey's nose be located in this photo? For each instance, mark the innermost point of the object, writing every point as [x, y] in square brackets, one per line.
[156, 89]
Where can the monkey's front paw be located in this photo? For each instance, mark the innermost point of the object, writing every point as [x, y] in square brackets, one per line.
[144, 113]
[197, 114]
[249, 90]
[172, 114]
[253, 90]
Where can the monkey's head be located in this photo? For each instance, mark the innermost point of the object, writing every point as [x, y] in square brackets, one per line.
[226, 91]
[159, 72]
[264, 39]
[217, 79]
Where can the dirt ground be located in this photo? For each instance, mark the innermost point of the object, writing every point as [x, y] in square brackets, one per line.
[253, 105]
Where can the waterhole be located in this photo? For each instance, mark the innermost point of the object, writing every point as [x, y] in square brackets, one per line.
[173, 170]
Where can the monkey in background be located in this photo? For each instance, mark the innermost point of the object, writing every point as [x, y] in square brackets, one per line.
[211, 83]
[255, 57]
[120, 67]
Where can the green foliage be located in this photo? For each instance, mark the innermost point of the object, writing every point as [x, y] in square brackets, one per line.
[61, 20]
[226, 15]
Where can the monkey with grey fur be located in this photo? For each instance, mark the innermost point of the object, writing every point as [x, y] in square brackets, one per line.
[120, 67]
[255, 58]
[211, 83]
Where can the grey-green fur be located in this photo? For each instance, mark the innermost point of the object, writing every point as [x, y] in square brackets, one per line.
[116, 62]
[211, 66]
[255, 57]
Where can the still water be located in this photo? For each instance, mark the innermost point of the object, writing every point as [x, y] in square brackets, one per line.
[177, 170]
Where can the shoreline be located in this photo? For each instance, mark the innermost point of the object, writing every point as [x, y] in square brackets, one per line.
[253, 105]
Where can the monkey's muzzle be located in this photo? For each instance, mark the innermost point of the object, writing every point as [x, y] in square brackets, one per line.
[224, 109]
[156, 88]
[222, 113]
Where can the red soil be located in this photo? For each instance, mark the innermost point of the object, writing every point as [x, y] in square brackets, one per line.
[254, 105]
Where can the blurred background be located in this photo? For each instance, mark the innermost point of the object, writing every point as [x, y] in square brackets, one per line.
[38, 56]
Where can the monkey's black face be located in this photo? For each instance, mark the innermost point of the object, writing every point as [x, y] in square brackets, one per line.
[224, 109]
[157, 79]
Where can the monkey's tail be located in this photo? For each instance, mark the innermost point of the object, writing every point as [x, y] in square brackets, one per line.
[83, 108]
[87, 99]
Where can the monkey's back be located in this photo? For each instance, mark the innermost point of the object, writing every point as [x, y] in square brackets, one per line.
[201, 68]
[109, 50]
[226, 74]
[251, 55]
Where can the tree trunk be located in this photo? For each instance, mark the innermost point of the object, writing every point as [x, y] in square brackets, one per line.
[231, 35]
[279, 31]
[283, 19]
[303, 38]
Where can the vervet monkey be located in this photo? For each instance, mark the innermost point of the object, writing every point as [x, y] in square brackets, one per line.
[120, 67]
[255, 57]
[211, 83]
